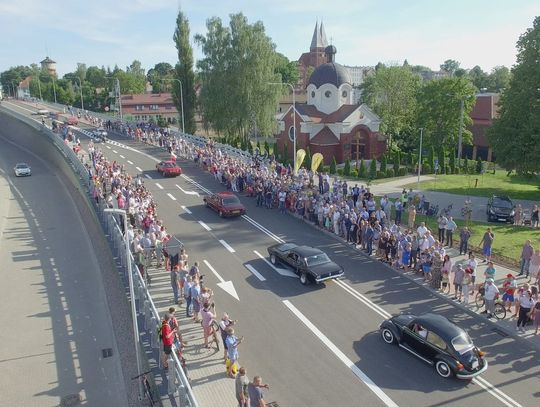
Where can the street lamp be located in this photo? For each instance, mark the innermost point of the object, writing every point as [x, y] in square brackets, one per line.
[181, 99]
[117, 92]
[123, 214]
[420, 159]
[294, 119]
[80, 88]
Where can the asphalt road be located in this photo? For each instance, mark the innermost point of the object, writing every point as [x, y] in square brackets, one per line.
[54, 318]
[318, 345]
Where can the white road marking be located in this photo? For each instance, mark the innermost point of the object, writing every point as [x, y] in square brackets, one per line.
[109, 147]
[147, 176]
[341, 356]
[187, 192]
[130, 162]
[227, 286]
[255, 272]
[114, 151]
[172, 197]
[204, 225]
[283, 272]
[121, 156]
[186, 209]
[196, 184]
[499, 395]
[263, 229]
[159, 185]
[138, 169]
[226, 245]
[363, 299]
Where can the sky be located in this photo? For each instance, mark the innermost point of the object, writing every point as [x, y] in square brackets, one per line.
[365, 32]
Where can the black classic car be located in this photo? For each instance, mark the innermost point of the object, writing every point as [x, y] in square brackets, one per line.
[437, 341]
[311, 264]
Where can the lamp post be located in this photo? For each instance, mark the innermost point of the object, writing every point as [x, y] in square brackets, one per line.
[54, 88]
[294, 119]
[80, 88]
[420, 159]
[123, 214]
[14, 87]
[117, 92]
[181, 99]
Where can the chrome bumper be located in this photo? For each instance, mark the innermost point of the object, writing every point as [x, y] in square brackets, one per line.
[471, 375]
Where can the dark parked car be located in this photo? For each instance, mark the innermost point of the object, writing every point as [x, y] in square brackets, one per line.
[500, 208]
[168, 169]
[437, 341]
[226, 204]
[311, 264]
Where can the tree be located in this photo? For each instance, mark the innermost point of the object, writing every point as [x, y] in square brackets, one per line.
[452, 161]
[438, 110]
[373, 169]
[442, 159]
[450, 66]
[384, 163]
[266, 147]
[478, 165]
[155, 75]
[362, 170]
[515, 135]
[347, 168]
[431, 158]
[238, 64]
[499, 78]
[479, 78]
[307, 160]
[333, 166]
[184, 98]
[397, 162]
[287, 69]
[391, 92]
[96, 77]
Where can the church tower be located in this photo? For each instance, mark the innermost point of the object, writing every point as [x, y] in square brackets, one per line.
[308, 61]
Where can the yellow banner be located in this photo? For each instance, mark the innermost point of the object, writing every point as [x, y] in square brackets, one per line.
[300, 155]
[316, 160]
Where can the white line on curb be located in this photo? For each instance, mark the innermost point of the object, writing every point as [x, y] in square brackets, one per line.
[341, 356]
[255, 272]
[204, 225]
[226, 245]
[172, 197]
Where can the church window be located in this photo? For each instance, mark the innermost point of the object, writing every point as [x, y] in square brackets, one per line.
[312, 93]
[327, 93]
[344, 94]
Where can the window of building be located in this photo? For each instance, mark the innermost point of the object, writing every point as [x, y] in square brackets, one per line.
[344, 94]
[327, 93]
[312, 93]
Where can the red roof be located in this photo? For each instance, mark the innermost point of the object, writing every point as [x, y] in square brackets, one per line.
[147, 99]
[325, 137]
[319, 117]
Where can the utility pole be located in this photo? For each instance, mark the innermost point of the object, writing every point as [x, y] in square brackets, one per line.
[420, 159]
[54, 88]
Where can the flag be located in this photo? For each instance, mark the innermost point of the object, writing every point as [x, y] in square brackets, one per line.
[316, 160]
[300, 155]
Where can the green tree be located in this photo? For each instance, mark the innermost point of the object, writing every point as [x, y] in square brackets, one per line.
[431, 158]
[397, 162]
[307, 160]
[384, 163]
[391, 92]
[373, 169]
[185, 97]
[514, 136]
[479, 165]
[362, 170]
[287, 69]
[479, 78]
[266, 147]
[442, 159]
[239, 63]
[157, 74]
[438, 110]
[347, 168]
[333, 166]
[450, 66]
[499, 79]
[452, 161]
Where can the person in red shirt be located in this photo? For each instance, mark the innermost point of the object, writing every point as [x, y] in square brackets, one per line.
[167, 336]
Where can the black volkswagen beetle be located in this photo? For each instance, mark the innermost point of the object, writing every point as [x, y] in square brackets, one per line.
[437, 341]
[310, 263]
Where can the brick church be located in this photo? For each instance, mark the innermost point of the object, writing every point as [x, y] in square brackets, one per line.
[330, 122]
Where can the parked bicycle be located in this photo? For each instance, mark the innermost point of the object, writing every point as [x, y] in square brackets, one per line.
[446, 211]
[499, 311]
[147, 388]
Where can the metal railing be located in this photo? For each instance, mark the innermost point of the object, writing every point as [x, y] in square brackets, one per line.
[178, 383]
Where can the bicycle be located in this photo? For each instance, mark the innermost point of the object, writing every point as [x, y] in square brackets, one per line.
[147, 388]
[499, 311]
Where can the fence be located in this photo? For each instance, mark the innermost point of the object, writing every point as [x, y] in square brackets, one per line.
[178, 384]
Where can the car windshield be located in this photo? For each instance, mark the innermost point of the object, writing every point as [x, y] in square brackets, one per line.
[21, 166]
[231, 200]
[166, 164]
[462, 343]
[502, 203]
[317, 259]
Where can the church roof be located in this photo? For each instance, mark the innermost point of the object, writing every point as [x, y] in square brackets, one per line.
[319, 117]
[331, 72]
[319, 37]
[47, 60]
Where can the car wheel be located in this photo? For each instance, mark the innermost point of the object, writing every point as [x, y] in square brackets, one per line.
[221, 214]
[388, 336]
[304, 280]
[443, 369]
[273, 259]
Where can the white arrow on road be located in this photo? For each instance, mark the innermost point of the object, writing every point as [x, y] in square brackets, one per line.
[227, 286]
[283, 272]
[187, 192]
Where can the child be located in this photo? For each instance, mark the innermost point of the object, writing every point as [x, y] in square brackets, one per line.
[406, 257]
[465, 284]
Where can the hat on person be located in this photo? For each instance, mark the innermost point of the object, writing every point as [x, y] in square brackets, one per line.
[509, 275]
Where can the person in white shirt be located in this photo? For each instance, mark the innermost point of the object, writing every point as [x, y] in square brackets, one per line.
[526, 304]
[490, 294]
[422, 229]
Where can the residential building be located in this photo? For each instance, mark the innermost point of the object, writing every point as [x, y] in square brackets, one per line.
[23, 89]
[483, 113]
[146, 106]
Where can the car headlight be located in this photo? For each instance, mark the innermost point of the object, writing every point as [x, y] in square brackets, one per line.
[491, 211]
[512, 213]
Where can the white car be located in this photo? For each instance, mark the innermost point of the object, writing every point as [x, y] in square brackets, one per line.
[100, 133]
[22, 170]
[42, 112]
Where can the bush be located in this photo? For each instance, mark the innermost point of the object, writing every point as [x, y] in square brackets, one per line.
[380, 175]
[362, 170]
[466, 165]
[333, 166]
[479, 165]
[390, 173]
[452, 162]
[456, 170]
[340, 171]
[397, 162]
[402, 171]
[324, 168]
[354, 173]
[373, 169]
[266, 147]
[384, 163]
[347, 168]
[426, 168]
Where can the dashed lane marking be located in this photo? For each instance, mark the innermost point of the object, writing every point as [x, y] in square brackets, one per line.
[186, 209]
[227, 246]
[159, 185]
[172, 197]
[204, 225]
[138, 169]
[255, 272]
[130, 162]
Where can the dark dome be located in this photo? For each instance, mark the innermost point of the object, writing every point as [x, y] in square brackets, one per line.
[331, 73]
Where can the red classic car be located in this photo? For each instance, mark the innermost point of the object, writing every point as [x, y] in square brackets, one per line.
[168, 168]
[226, 204]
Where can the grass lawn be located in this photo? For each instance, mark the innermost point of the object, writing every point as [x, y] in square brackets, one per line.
[515, 186]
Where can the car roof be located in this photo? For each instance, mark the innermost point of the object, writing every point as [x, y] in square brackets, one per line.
[440, 325]
[21, 165]
[306, 251]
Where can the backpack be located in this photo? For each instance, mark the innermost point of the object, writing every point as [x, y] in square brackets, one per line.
[160, 332]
